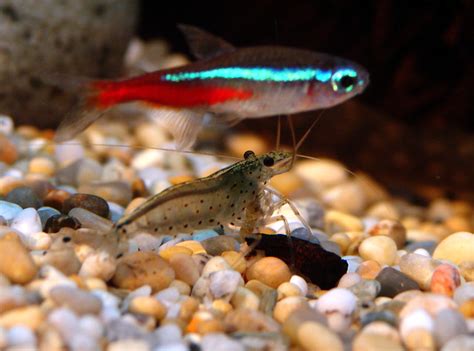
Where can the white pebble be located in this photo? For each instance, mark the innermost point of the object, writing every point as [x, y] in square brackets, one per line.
[418, 319]
[168, 296]
[128, 344]
[172, 347]
[65, 322]
[69, 152]
[6, 124]
[27, 222]
[98, 265]
[422, 252]
[338, 305]
[300, 283]
[353, 263]
[168, 334]
[3, 339]
[83, 342]
[91, 326]
[218, 341]
[107, 299]
[20, 336]
[38, 241]
[223, 284]
[215, 264]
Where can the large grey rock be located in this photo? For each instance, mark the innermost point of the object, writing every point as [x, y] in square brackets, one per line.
[85, 38]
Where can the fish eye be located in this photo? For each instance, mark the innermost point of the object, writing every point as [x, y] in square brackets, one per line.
[248, 153]
[344, 80]
[268, 161]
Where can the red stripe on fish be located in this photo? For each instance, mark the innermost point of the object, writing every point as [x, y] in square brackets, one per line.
[167, 94]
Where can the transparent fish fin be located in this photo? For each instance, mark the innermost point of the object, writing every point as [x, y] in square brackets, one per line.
[231, 120]
[183, 124]
[204, 45]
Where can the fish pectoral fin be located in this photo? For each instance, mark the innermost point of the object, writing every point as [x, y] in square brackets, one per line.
[231, 119]
[183, 124]
[204, 45]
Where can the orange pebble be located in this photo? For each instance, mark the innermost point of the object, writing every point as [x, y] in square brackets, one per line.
[445, 280]
[369, 269]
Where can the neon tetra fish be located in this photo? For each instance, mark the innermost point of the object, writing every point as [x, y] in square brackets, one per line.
[228, 83]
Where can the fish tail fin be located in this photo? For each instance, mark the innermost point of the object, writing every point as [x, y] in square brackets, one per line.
[92, 103]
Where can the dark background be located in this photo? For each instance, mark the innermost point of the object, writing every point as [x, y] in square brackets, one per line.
[413, 125]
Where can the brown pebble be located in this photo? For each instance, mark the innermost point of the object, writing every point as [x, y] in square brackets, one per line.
[140, 268]
[244, 320]
[89, 202]
[81, 302]
[269, 270]
[392, 229]
[369, 269]
[210, 326]
[445, 280]
[15, 260]
[8, 152]
[56, 198]
[185, 268]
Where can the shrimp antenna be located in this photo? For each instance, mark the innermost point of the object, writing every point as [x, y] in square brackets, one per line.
[305, 135]
[277, 146]
[293, 139]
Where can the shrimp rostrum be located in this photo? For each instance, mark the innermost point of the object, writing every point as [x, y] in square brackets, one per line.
[234, 196]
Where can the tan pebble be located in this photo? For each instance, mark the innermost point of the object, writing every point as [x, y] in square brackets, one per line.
[382, 329]
[148, 305]
[457, 247]
[286, 183]
[195, 246]
[321, 174]
[236, 260]
[431, 303]
[8, 151]
[407, 295]
[140, 268]
[421, 235]
[379, 301]
[250, 321]
[65, 260]
[391, 228]
[257, 287]
[375, 342]
[313, 336]
[369, 269]
[178, 179]
[445, 280]
[348, 280]
[379, 248]
[210, 326]
[81, 302]
[419, 268]
[95, 284]
[288, 305]
[342, 240]
[383, 210]
[28, 316]
[420, 339]
[221, 306]
[183, 288]
[42, 165]
[467, 308]
[185, 267]
[16, 263]
[336, 221]
[269, 270]
[188, 307]
[348, 197]
[245, 298]
[240, 143]
[467, 270]
[288, 289]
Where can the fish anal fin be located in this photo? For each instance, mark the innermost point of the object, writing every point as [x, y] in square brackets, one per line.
[204, 45]
[183, 124]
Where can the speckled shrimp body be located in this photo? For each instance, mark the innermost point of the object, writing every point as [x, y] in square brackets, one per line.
[235, 195]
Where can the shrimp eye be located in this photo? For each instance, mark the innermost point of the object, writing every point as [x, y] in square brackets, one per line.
[268, 161]
[248, 153]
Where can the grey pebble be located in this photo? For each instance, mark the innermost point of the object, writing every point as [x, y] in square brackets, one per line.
[46, 212]
[217, 245]
[448, 324]
[383, 316]
[25, 197]
[427, 245]
[394, 282]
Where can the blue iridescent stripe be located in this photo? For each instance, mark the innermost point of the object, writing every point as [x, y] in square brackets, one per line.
[254, 73]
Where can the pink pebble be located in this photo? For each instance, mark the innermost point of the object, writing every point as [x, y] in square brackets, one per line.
[445, 280]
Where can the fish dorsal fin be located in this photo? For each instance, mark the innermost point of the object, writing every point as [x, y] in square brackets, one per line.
[204, 45]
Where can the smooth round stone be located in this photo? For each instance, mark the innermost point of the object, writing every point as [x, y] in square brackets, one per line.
[417, 319]
[219, 341]
[77, 300]
[464, 293]
[7, 125]
[224, 283]
[460, 343]
[117, 191]
[366, 289]
[24, 197]
[338, 305]
[427, 245]
[129, 344]
[245, 298]
[348, 280]
[21, 337]
[28, 316]
[185, 268]
[430, 303]
[336, 222]
[16, 263]
[300, 283]
[420, 339]
[88, 219]
[347, 197]
[288, 289]
[88, 202]
[375, 342]
[353, 263]
[316, 337]
[42, 165]
[381, 249]
[140, 268]
[385, 316]
[369, 269]
[467, 270]
[169, 251]
[394, 282]
[445, 280]
[391, 228]
[236, 260]
[8, 151]
[419, 268]
[58, 221]
[82, 171]
[448, 324]
[27, 222]
[250, 321]
[149, 306]
[99, 265]
[384, 329]
[56, 198]
[342, 240]
[288, 305]
[269, 270]
[64, 260]
[213, 265]
[457, 248]
[321, 174]
[9, 210]
[46, 212]
[217, 245]
[195, 246]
